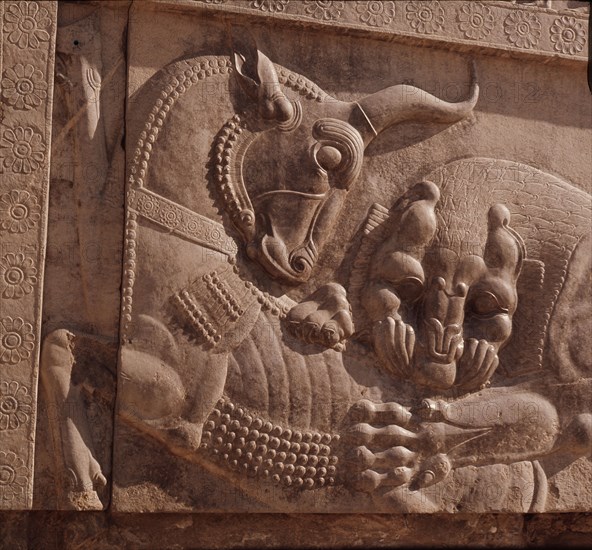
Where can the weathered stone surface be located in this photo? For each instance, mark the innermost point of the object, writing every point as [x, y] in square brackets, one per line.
[302, 257]
[105, 531]
[407, 353]
[27, 43]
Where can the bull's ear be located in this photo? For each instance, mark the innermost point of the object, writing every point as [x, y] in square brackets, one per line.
[268, 78]
[247, 83]
[258, 77]
[246, 59]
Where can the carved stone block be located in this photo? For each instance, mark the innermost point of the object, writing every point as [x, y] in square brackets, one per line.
[301, 257]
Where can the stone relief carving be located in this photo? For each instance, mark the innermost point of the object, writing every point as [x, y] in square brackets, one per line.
[222, 309]
[224, 369]
[78, 356]
[431, 374]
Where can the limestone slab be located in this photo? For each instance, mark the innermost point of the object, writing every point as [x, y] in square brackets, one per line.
[316, 257]
[320, 315]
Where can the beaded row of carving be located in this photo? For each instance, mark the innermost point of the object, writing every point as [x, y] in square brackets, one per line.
[239, 208]
[221, 292]
[258, 448]
[197, 318]
[129, 272]
[227, 137]
[177, 85]
[268, 302]
[300, 84]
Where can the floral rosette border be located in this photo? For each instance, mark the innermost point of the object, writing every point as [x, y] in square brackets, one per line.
[497, 25]
[27, 44]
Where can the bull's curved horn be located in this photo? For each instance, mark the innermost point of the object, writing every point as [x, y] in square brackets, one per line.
[403, 102]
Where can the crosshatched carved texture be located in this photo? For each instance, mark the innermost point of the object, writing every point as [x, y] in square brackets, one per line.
[26, 69]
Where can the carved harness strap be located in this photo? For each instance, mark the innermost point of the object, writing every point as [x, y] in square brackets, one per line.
[164, 212]
[181, 221]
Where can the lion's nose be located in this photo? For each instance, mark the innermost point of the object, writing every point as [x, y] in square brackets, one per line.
[444, 343]
[460, 290]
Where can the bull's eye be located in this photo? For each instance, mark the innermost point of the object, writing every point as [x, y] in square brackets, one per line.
[328, 157]
[486, 303]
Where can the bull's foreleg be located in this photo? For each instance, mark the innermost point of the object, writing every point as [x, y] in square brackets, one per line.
[153, 398]
[323, 318]
[73, 450]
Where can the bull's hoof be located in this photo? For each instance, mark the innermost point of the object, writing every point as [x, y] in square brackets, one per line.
[324, 318]
[82, 500]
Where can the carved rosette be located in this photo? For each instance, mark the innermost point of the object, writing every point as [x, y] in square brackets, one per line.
[568, 35]
[27, 37]
[376, 14]
[534, 28]
[324, 10]
[523, 29]
[475, 20]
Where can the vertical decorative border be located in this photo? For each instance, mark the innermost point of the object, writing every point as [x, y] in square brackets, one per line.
[27, 45]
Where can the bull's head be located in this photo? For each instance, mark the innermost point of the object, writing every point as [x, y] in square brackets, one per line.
[284, 167]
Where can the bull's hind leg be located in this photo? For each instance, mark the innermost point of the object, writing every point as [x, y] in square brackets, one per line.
[73, 449]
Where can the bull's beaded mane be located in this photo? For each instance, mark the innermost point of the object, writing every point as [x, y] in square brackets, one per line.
[178, 79]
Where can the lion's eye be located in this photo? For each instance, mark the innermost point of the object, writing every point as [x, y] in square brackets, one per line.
[486, 303]
[409, 289]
